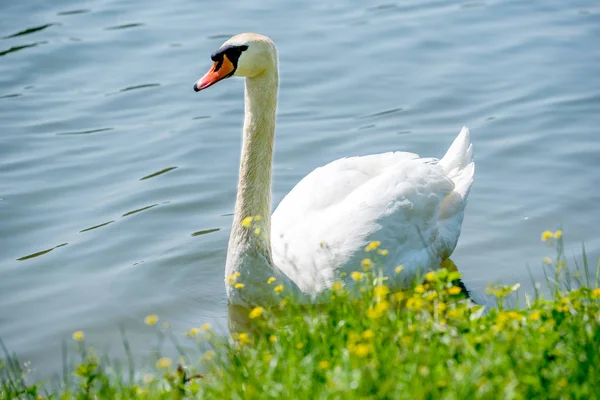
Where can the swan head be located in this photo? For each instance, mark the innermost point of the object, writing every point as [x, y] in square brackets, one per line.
[246, 55]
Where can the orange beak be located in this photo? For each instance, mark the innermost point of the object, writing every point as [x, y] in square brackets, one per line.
[220, 70]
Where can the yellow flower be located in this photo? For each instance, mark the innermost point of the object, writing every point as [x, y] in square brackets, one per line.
[243, 338]
[546, 235]
[383, 252]
[257, 217]
[239, 285]
[378, 310]
[399, 296]
[373, 246]
[192, 332]
[278, 289]
[78, 336]
[454, 290]
[547, 260]
[151, 319]
[164, 362]
[596, 292]
[256, 312]
[399, 269]
[368, 334]
[558, 234]
[267, 357]
[246, 222]
[367, 264]
[272, 338]
[257, 231]
[337, 286]
[205, 327]
[381, 291]
[361, 350]
[420, 289]
[299, 345]
[271, 280]
[430, 276]
[356, 276]
[534, 316]
[324, 364]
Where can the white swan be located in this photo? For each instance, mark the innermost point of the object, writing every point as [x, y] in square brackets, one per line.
[413, 206]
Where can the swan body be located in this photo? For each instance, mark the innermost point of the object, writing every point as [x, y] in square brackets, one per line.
[413, 206]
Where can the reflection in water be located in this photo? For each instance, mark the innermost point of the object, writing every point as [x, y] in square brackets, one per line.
[71, 12]
[145, 85]
[139, 210]
[17, 48]
[29, 31]
[125, 26]
[85, 132]
[162, 171]
[204, 232]
[96, 226]
[39, 253]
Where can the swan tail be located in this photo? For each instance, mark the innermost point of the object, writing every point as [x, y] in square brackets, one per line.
[458, 163]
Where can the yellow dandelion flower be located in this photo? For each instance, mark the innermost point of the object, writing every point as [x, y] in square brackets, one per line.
[534, 316]
[239, 285]
[368, 334]
[192, 332]
[299, 345]
[373, 246]
[151, 319]
[546, 235]
[278, 288]
[205, 327]
[547, 260]
[399, 296]
[420, 289]
[271, 280]
[256, 312]
[596, 292]
[267, 357]
[246, 222]
[383, 252]
[243, 338]
[367, 264]
[514, 315]
[324, 364]
[337, 286]
[454, 290]
[257, 231]
[381, 291]
[164, 363]
[399, 269]
[430, 276]
[257, 217]
[78, 336]
[361, 350]
[558, 234]
[272, 338]
[356, 276]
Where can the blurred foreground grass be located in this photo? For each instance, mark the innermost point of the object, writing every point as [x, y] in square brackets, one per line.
[368, 342]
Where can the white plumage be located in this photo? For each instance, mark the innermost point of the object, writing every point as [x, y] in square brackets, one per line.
[413, 206]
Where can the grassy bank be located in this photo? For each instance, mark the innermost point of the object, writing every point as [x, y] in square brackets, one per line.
[368, 342]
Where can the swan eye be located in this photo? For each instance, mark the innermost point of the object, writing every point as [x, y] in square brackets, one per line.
[232, 53]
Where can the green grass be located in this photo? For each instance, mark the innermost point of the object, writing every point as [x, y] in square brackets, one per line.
[426, 342]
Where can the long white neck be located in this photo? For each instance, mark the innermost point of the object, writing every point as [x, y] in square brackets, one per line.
[249, 252]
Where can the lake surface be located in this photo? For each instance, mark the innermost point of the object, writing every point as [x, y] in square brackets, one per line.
[117, 181]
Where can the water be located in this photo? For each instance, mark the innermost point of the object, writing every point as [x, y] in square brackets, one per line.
[118, 181]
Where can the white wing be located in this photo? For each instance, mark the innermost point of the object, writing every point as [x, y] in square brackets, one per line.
[413, 205]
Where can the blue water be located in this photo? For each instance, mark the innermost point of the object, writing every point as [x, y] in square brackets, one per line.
[117, 181]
